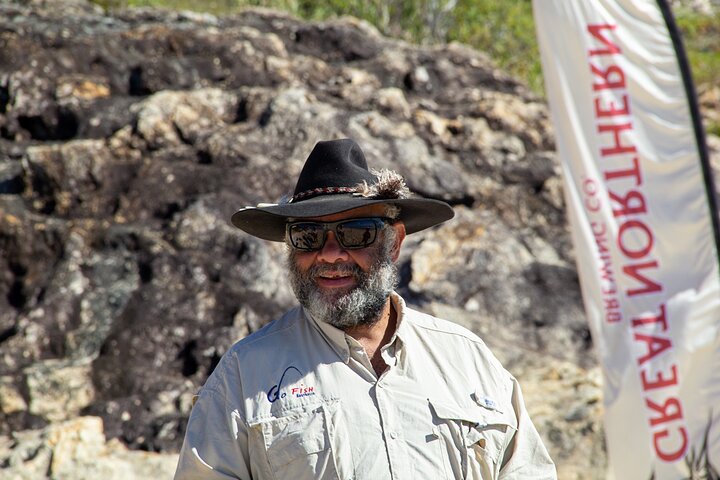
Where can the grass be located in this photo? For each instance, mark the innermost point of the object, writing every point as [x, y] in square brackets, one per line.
[701, 35]
[506, 31]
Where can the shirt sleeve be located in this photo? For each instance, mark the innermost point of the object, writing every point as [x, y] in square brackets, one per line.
[526, 458]
[216, 442]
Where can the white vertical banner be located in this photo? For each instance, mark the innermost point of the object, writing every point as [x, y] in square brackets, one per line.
[643, 214]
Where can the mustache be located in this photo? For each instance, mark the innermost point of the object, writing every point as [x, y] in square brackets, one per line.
[341, 268]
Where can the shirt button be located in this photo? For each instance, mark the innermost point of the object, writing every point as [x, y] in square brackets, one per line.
[393, 435]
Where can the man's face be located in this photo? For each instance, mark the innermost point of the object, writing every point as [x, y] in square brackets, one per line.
[347, 288]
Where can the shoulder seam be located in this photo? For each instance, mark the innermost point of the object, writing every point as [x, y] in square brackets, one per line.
[242, 342]
[463, 332]
[215, 391]
[459, 334]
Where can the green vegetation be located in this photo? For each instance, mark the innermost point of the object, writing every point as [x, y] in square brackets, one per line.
[506, 31]
[701, 35]
[502, 28]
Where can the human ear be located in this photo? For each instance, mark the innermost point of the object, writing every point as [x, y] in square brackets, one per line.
[399, 238]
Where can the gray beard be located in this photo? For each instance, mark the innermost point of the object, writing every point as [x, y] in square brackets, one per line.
[362, 305]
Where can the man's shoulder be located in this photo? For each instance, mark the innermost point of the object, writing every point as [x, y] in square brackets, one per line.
[453, 339]
[434, 325]
[272, 331]
[256, 349]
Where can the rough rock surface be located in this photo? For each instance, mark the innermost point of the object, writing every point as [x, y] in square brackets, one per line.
[126, 142]
[77, 450]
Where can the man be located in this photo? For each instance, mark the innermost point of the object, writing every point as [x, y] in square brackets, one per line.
[354, 384]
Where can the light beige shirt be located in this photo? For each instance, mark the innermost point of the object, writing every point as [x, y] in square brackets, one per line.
[299, 399]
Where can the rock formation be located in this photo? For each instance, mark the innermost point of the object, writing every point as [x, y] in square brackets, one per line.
[128, 139]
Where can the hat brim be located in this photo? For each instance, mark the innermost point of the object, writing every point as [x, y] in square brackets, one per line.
[268, 221]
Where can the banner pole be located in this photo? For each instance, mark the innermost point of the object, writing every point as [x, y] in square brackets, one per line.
[691, 92]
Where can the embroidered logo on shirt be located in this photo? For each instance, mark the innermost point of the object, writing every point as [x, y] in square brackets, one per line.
[302, 391]
[486, 402]
[489, 403]
[297, 391]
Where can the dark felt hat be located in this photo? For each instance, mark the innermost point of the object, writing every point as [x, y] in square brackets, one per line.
[335, 179]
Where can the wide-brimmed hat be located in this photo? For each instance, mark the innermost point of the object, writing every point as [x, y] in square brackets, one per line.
[336, 179]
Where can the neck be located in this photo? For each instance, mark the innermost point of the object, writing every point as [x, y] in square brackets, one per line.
[374, 337]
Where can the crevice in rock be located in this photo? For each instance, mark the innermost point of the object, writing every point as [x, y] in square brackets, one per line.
[538, 188]
[183, 138]
[265, 116]
[214, 360]
[583, 335]
[166, 212]
[204, 157]
[538, 323]
[241, 113]
[4, 98]
[17, 268]
[35, 126]
[67, 126]
[8, 333]
[190, 364]
[242, 249]
[146, 271]
[16, 296]
[44, 187]
[404, 274]
[115, 206]
[6, 133]
[214, 275]
[408, 82]
[136, 83]
[12, 186]
[466, 200]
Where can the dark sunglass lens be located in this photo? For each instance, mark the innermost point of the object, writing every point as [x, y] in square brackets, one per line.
[307, 236]
[357, 233]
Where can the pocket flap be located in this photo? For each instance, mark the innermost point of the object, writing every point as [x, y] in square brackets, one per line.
[295, 436]
[470, 413]
[481, 430]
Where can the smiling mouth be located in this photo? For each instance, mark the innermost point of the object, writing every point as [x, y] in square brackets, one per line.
[334, 275]
[334, 280]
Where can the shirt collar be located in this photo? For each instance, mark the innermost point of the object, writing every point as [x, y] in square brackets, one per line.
[338, 339]
[334, 336]
[398, 340]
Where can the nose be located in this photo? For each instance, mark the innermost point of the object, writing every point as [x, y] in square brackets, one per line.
[332, 252]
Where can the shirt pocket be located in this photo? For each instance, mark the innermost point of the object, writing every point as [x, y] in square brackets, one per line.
[304, 444]
[475, 438]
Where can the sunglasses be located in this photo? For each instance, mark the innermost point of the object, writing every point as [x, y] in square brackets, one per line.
[351, 234]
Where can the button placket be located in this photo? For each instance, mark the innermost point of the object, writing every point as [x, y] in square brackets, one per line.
[389, 425]
[358, 355]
